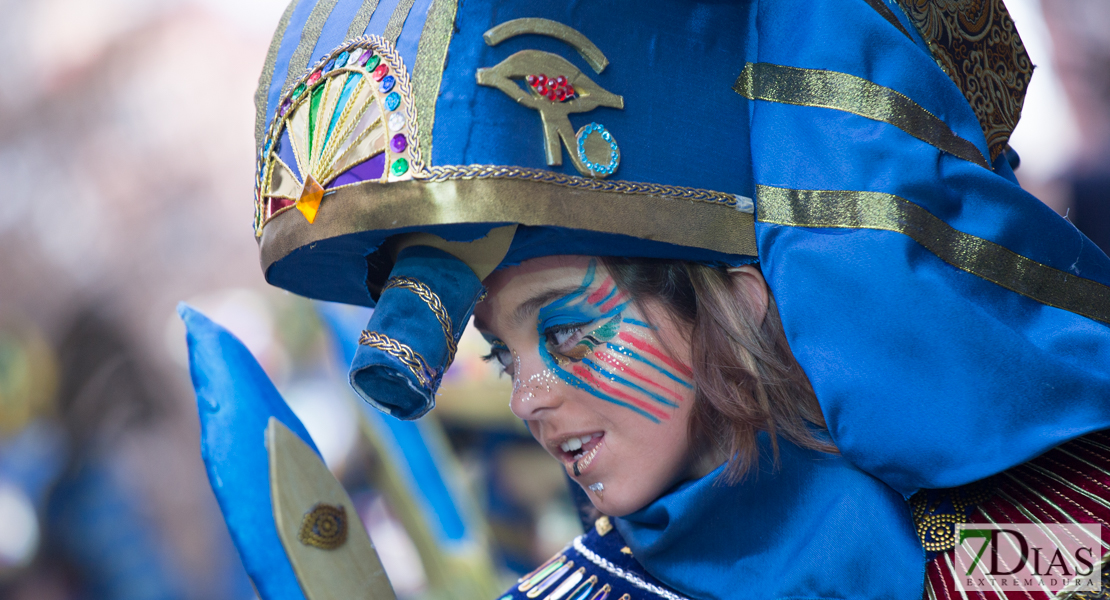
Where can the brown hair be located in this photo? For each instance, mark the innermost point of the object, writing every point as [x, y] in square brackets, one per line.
[746, 380]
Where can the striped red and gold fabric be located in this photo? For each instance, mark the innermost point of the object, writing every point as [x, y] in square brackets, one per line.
[1068, 484]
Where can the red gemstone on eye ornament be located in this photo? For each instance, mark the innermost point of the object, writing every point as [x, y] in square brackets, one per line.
[560, 81]
[551, 94]
[560, 94]
[531, 79]
[570, 92]
[314, 77]
[380, 72]
[541, 89]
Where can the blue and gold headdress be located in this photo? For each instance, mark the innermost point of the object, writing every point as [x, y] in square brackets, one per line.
[951, 324]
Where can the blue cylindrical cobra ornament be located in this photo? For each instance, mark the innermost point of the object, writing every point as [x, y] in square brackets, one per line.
[413, 334]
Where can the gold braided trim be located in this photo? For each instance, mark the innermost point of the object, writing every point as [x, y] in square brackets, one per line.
[434, 304]
[571, 181]
[975, 255]
[851, 94]
[411, 358]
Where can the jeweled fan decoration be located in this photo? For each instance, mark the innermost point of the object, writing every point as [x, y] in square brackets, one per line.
[349, 120]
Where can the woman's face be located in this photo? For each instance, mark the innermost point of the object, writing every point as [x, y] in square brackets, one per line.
[606, 393]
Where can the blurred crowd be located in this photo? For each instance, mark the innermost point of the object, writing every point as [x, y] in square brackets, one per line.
[126, 131]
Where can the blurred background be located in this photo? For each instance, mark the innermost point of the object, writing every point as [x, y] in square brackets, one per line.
[126, 132]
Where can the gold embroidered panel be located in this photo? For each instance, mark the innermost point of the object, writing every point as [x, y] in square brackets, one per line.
[977, 45]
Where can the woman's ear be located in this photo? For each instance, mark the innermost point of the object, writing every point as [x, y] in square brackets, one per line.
[750, 289]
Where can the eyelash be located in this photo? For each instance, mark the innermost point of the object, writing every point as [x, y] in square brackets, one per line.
[573, 329]
[497, 351]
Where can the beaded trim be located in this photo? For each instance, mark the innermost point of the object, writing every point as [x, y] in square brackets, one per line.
[621, 187]
[406, 160]
[619, 572]
[434, 304]
[411, 358]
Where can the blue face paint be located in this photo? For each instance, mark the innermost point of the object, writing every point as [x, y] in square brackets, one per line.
[578, 339]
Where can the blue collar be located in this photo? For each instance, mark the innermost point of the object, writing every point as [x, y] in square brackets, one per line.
[817, 527]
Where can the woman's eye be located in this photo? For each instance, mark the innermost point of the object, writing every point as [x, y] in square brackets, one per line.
[562, 338]
[502, 355]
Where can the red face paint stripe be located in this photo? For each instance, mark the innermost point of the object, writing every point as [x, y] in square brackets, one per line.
[639, 344]
[588, 376]
[614, 362]
[608, 306]
[601, 292]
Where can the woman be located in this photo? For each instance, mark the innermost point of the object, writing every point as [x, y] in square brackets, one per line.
[930, 321]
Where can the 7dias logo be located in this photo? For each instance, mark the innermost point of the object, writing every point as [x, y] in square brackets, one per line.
[1043, 558]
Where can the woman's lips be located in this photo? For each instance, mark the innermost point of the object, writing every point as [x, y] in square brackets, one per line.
[580, 459]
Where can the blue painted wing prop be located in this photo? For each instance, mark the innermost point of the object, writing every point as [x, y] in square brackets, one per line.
[236, 400]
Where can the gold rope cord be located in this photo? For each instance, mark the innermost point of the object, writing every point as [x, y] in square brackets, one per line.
[267, 77]
[975, 255]
[402, 352]
[977, 45]
[430, 298]
[848, 93]
[427, 72]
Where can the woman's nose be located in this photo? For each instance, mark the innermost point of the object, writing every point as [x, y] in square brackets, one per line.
[536, 388]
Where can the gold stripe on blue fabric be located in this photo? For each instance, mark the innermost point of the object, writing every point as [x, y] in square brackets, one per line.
[261, 95]
[848, 93]
[362, 18]
[427, 73]
[310, 34]
[397, 21]
[975, 255]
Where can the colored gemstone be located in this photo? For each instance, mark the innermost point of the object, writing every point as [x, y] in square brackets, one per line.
[372, 62]
[298, 91]
[551, 94]
[387, 83]
[309, 202]
[329, 66]
[400, 167]
[398, 143]
[285, 106]
[380, 72]
[570, 91]
[314, 77]
[531, 79]
[560, 81]
[541, 89]
[365, 57]
[341, 60]
[560, 94]
[396, 122]
[392, 101]
[541, 79]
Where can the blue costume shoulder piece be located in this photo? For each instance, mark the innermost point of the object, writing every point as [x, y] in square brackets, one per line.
[814, 527]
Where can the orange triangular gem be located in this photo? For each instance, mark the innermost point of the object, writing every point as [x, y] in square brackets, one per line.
[309, 202]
